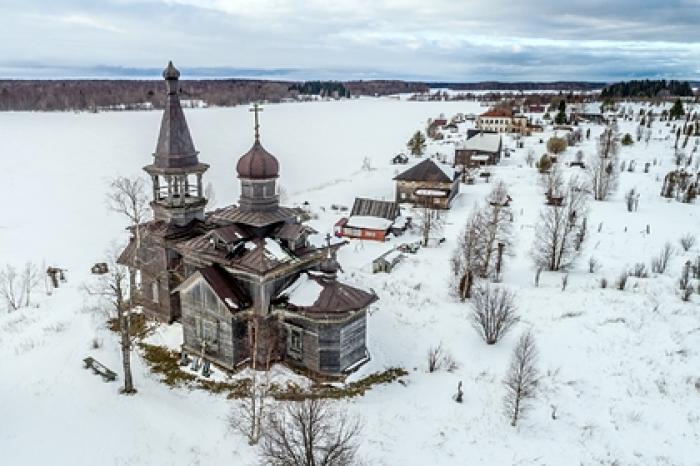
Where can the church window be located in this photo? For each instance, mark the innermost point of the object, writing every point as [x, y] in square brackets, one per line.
[295, 343]
[154, 292]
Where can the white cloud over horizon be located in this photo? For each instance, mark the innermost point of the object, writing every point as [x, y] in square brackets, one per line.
[442, 40]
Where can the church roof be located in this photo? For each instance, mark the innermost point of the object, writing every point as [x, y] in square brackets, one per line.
[174, 149]
[317, 295]
[258, 164]
[226, 287]
[235, 214]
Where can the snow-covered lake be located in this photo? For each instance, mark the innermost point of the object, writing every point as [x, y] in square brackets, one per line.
[621, 368]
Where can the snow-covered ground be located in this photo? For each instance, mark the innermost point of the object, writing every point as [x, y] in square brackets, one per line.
[621, 368]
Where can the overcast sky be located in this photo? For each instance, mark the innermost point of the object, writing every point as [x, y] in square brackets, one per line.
[442, 40]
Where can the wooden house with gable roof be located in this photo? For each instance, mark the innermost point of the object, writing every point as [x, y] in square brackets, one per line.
[427, 184]
[227, 276]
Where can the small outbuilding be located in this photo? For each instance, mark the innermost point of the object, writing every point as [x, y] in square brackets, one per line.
[371, 219]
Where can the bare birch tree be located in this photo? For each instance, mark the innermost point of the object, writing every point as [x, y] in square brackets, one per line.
[310, 433]
[486, 237]
[429, 222]
[494, 312]
[113, 287]
[464, 261]
[248, 416]
[10, 288]
[603, 168]
[495, 232]
[521, 378]
[127, 197]
[16, 288]
[561, 230]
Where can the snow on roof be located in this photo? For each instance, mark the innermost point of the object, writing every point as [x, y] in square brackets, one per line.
[370, 223]
[487, 142]
[431, 192]
[272, 248]
[304, 292]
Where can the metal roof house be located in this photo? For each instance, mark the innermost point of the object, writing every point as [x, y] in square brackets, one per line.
[481, 149]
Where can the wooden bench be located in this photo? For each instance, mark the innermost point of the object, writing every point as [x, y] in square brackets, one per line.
[99, 368]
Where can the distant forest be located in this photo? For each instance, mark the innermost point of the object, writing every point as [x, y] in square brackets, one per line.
[521, 86]
[648, 89]
[94, 95]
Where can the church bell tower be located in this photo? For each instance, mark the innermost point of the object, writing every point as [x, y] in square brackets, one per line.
[176, 172]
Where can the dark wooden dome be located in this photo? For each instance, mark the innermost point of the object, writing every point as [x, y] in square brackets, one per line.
[258, 164]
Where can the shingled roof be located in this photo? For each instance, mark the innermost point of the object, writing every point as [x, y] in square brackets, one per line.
[174, 149]
[427, 170]
[327, 295]
[375, 208]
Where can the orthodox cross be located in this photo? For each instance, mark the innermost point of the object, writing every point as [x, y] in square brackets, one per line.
[257, 108]
[328, 243]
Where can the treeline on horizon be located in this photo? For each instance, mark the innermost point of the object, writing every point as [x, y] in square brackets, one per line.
[520, 86]
[648, 88]
[94, 95]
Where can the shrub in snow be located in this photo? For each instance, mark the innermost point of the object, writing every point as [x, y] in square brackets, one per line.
[544, 164]
[439, 358]
[687, 293]
[687, 241]
[593, 265]
[521, 379]
[660, 262]
[494, 312]
[639, 270]
[603, 282]
[621, 281]
[627, 139]
[556, 145]
[684, 281]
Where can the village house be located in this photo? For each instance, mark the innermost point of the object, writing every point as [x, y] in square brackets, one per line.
[481, 149]
[504, 120]
[247, 282]
[371, 219]
[427, 184]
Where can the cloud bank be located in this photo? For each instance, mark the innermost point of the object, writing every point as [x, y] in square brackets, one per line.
[441, 40]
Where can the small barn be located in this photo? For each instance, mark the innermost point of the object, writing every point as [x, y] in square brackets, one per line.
[427, 184]
[371, 219]
[387, 261]
[481, 149]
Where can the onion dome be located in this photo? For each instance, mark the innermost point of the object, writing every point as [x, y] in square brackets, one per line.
[329, 266]
[258, 164]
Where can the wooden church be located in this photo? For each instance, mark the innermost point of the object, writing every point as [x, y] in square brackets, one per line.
[245, 281]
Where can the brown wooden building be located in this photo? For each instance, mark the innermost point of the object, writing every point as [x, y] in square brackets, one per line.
[228, 275]
[427, 184]
[482, 148]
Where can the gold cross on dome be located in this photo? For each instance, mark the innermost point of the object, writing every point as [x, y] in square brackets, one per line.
[257, 109]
